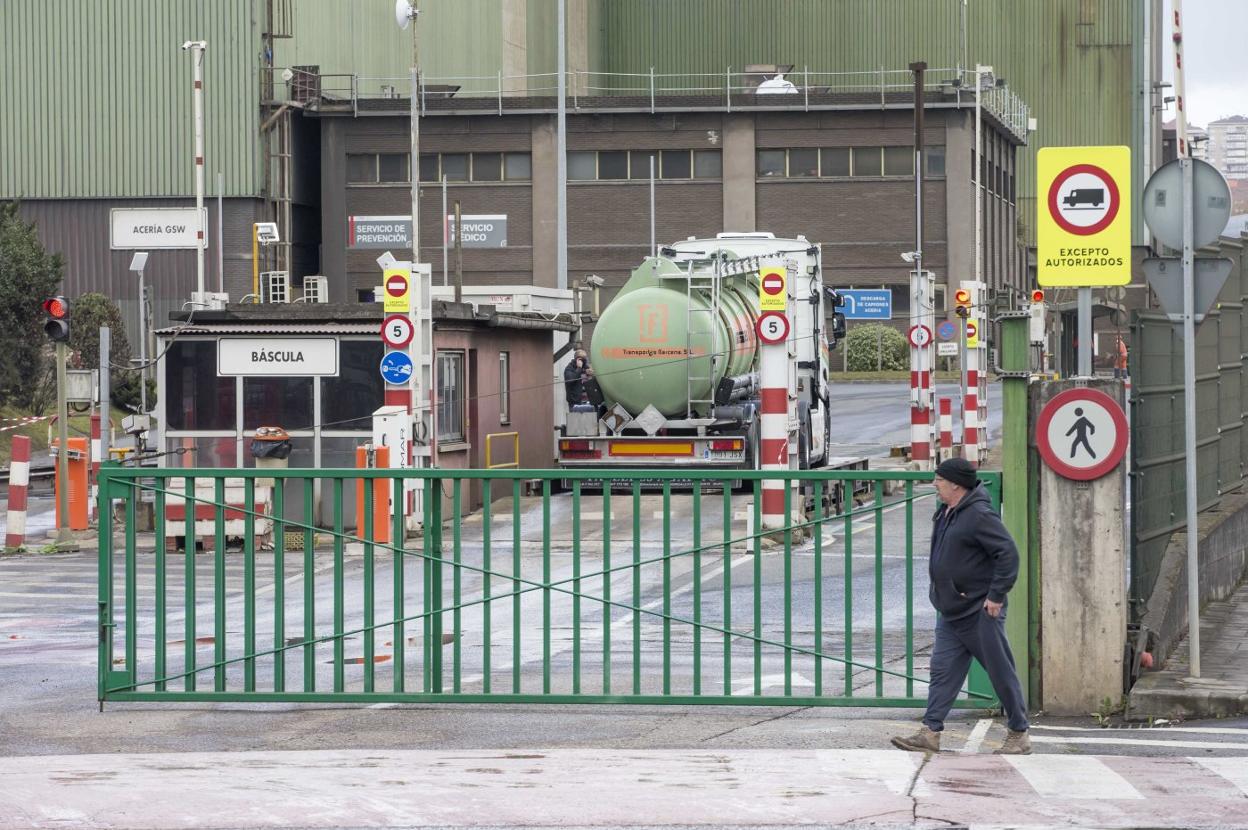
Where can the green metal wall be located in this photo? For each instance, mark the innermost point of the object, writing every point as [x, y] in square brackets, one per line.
[97, 97]
[460, 38]
[1072, 61]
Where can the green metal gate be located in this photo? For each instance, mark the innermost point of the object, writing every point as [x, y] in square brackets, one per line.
[614, 594]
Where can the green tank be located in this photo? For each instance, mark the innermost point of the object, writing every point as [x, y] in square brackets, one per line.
[648, 333]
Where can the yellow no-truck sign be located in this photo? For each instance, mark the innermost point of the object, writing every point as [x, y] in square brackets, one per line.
[1083, 216]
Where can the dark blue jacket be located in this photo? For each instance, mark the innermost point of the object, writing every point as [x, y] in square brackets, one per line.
[972, 556]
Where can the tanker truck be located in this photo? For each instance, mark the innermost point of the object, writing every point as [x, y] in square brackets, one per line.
[675, 359]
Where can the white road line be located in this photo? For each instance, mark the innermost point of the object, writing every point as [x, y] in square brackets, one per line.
[850, 772]
[1140, 742]
[1203, 730]
[1232, 769]
[976, 739]
[1072, 776]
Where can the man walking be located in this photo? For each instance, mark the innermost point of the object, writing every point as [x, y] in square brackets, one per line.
[972, 567]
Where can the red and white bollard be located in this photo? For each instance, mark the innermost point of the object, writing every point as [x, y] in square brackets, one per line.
[774, 432]
[19, 481]
[970, 417]
[97, 457]
[920, 417]
[946, 428]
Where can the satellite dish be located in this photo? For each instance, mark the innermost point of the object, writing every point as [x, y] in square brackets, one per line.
[402, 13]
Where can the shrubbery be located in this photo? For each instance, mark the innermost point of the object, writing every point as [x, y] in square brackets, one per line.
[876, 347]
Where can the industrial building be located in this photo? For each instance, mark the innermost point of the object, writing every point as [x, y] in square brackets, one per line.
[127, 140]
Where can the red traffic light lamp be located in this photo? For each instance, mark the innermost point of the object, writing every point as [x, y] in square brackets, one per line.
[1037, 296]
[962, 302]
[56, 326]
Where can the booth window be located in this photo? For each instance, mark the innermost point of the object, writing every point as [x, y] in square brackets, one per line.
[450, 408]
[278, 401]
[504, 387]
[198, 399]
[349, 400]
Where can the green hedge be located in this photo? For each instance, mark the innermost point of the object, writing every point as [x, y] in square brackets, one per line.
[876, 346]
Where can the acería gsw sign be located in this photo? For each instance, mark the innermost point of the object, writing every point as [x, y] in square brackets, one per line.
[155, 228]
[277, 356]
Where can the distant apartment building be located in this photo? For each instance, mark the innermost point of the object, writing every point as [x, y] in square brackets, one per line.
[1198, 138]
[1228, 146]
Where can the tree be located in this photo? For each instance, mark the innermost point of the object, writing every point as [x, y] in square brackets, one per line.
[89, 313]
[876, 346]
[28, 275]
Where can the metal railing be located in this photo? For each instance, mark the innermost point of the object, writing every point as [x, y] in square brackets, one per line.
[731, 88]
[672, 596]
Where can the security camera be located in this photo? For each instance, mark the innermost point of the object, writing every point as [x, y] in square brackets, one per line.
[910, 256]
[195, 44]
[595, 280]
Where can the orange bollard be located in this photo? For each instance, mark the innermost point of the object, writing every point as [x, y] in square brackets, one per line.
[381, 495]
[79, 484]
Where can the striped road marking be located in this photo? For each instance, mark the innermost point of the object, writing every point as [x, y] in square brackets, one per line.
[1071, 776]
[1042, 739]
[1234, 770]
[976, 738]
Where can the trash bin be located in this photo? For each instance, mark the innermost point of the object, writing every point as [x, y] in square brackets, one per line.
[270, 447]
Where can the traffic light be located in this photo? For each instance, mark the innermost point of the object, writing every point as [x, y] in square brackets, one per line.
[1035, 325]
[56, 326]
[1037, 296]
[962, 302]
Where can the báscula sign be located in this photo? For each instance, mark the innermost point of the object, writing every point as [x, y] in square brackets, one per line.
[277, 356]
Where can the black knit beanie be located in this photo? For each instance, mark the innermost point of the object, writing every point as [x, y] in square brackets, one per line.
[958, 471]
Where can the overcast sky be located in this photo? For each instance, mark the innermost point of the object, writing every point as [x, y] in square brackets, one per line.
[1214, 33]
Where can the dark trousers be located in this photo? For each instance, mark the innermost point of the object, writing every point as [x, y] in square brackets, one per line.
[957, 641]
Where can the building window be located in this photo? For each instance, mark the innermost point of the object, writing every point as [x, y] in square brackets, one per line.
[639, 164]
[198, 399]
[487, 167]
[348, 401]
[504, 387]
[429, 167]
[613, 165]
[834, 161]
[803, 162]
[708, 164]
[518, 167]
[362, 168]
[935, 157]
[454, 167]
[771, 163]
[867, 161]
[278, 401]
[676, 164]
[392, 167]
[898, 161]
[583, 166]
[450, 388]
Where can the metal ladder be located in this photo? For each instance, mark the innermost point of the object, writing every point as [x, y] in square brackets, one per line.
[708, 282]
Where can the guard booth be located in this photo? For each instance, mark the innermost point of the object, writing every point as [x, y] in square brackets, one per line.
[313, 370]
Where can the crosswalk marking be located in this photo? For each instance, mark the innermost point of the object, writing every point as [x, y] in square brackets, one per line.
[1234, 770]
[1203, 730]
[1072, 776]
[1044, 739]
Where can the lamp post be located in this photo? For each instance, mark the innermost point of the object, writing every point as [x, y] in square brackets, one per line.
[137, 264]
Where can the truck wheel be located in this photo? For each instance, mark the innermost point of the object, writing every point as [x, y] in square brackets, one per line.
[803, 446]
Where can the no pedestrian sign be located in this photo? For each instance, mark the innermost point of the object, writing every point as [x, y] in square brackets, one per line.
[771, 293]
[1084, 217]
[1082, 434]
[397, 284]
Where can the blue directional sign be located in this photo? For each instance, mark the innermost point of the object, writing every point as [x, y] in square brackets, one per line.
[867, 304]
[396, 368]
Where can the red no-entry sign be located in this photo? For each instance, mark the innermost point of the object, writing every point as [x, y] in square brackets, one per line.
[396, 285]
[773, 283]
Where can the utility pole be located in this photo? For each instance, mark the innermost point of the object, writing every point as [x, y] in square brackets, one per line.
[63, 535]
[197, 48]
[561, 162]
[1189, 348]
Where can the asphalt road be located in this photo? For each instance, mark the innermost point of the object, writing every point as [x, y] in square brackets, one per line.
[869, 418]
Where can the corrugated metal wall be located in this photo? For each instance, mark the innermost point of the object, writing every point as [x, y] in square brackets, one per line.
[97, 97]
[457, 38]
[1072, 61]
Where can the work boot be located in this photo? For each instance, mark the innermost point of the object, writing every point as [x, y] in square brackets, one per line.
[1016, 743]
[925, 740]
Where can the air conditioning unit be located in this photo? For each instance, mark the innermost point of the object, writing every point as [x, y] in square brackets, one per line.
[315, 289]
[275, 287]
[209, 300]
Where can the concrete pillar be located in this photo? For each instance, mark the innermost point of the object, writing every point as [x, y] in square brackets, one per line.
[739, 203]
[333, 211]
[959, 199]
[1083, 602]
[545, 149]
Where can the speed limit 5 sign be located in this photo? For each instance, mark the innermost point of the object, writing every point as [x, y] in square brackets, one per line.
[397, 331]
[772, 327]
